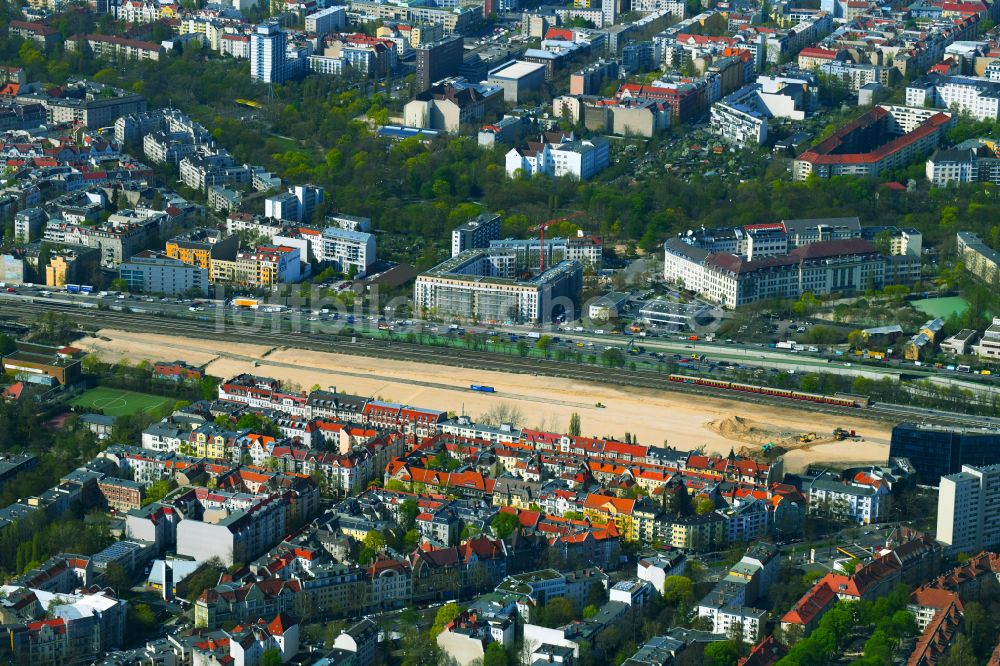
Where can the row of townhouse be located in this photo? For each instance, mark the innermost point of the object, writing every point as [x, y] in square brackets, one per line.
[327, 589]
[265, 393]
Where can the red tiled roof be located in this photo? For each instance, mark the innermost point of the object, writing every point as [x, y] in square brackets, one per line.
[823, 152]
[813, 52]
[812, 605]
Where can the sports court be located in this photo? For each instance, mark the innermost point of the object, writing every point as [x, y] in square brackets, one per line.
[118, 402]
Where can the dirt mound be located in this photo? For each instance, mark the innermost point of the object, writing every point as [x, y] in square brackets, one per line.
[757, 434]
[742, 429]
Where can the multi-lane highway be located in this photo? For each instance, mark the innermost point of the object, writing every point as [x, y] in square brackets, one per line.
[127, 315]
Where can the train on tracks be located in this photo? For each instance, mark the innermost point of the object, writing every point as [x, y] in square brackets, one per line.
[838, 399]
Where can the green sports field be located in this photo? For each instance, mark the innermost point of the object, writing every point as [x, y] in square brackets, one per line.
[116, 402]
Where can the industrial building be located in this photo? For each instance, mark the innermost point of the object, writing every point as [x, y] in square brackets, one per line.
[60, 363]
[518, 79]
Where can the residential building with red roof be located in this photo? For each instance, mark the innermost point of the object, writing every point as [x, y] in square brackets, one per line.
[883, 138]
[39, 33]
[177, 371]
[111, 47]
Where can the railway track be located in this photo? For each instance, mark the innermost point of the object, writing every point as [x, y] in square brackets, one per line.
[92, 320]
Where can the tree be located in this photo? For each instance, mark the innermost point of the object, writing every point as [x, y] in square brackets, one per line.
[503, 524]
[703, 506]
[140, 620]
[810, 383]
[589, 611]
[373, 543]
[271, 657]
[556, 613]
[444, 616]
[411, 539]
[574, 425]
[856, 339]
[408, 512]
[960, 654]
[722, 653]
[118, 284]
[258, 424]
[500, 413]
[980, 628]
[678, 589]
[7, 344]
[495, 655]
[116, 578]
[158, 490]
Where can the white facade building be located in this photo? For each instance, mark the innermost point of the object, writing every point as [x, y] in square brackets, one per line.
[347, 249]
[979, 97]
[582, 159]
[968, 518]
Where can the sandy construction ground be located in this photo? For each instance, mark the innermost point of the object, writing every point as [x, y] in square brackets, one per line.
[654, 417]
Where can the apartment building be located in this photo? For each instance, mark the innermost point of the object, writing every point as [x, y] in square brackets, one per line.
[44, 35]
[152, 272]
[884, 138]
[295, 205]
[235, 45]
[448, 106]
[200, 247]
[325, 21]
[581, 159]
[475, 233]
[732, 281]
[110, 47]
[584, 248]
[347, 250]
[267, 54]
[87, 102]
[977, 97]
[482, 284]
[864, 504]
[627, 117]
[235, 526]
[989, 344]
[737, 120]
[857, 76]
[979, 258]
[117, 239]
[950, 166]
[262, 267]
[205, 168]
[454, 19]
[968, 517]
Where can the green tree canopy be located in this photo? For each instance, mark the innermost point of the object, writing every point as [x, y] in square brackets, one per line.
[503, 524]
